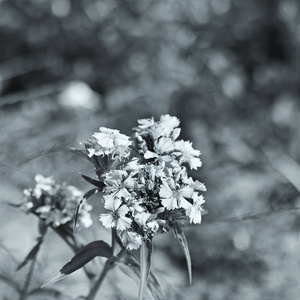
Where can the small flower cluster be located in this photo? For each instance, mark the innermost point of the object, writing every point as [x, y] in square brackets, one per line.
[55, 204]
[152, 192]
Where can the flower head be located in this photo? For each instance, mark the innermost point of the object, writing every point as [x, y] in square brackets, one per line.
[150, 192]
[55, 203]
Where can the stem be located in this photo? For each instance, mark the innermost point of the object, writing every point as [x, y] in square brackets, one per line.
[28, 279]
[109, 264]
[113, 239]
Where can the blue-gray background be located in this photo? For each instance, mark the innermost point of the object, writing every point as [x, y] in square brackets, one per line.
[228, 69]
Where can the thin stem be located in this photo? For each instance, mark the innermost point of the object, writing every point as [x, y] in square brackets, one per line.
[109, 264]
[28, 279]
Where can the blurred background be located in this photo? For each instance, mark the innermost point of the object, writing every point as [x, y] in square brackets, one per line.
[228, 69]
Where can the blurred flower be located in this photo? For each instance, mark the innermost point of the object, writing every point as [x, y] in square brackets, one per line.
[55, 204]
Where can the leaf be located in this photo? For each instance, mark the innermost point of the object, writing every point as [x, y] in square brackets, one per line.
[82, 201]
[145, 262]
[92, 181]
[31, 255]
[85, 255]
[183, 242]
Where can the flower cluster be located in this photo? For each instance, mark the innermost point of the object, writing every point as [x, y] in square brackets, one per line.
[54, 203]
[152, 192]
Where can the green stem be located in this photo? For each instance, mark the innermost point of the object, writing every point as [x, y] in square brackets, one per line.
[23, 294]
[109, 264]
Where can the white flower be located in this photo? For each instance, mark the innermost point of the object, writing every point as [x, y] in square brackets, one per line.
[85, 218]
[118, 182]
[142, 218]
[133, 204]
[116, 215]
[55, 203]
[188, 154]
[162, 147]
[131, 240]
[167, 124]
[173, 198]
[109, 138]
[43, 184]
[194, 212]
[145, 123]
[146, 221]
[196, 185]
[108, 142]
[93, 148]
[155, 171]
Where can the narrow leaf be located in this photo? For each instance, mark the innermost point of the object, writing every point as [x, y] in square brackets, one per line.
[93, 181]
[85, 255]
[13, 204]
[145, 262]
[31, 255]
[183, 242]
[82, 201]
